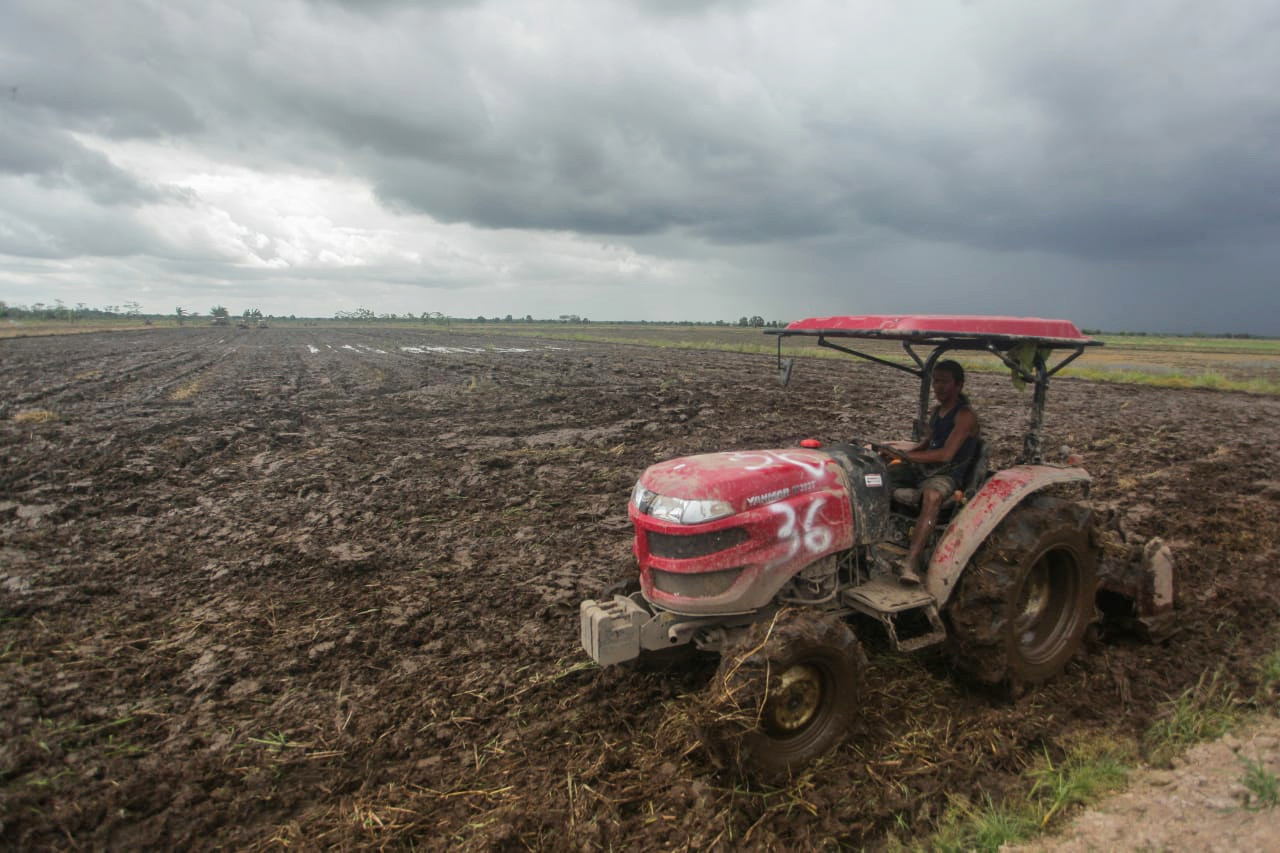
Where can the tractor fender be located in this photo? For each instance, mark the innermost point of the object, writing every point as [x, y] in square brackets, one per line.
[971, 526]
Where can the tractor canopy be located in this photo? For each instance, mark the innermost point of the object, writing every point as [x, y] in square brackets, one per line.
[1024, 344]
[944, 328]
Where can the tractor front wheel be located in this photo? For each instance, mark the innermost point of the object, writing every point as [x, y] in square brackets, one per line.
[784, 694]
[1025, 601]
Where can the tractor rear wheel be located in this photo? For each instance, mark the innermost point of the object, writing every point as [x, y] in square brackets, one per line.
[1024, 603]
[785, 694]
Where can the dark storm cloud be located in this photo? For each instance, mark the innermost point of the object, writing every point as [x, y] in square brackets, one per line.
[63, 225]
[378, 7]
[728, 133]
[1097, 160]
[57, 160]
[614, 142]
[96, 67]
[692, 7]
[1115, 153]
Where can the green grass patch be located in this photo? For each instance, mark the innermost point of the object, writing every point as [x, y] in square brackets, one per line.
[986, 825]
[1211, 380]
[1091, 769]
[1258, 346]
[1263, 785]
[1203, 712]
[1084, 776]
[1269, 677]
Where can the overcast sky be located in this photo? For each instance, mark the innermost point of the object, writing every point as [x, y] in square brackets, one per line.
[1117, 164]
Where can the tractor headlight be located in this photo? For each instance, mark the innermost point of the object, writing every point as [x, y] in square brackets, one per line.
[640, 497]
[679, 510]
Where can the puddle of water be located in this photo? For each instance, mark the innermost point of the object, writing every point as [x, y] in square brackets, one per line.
[424, 350]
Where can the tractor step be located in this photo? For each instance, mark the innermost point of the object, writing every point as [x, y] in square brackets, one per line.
[899, 607]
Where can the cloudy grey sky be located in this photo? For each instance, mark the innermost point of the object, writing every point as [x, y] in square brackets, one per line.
[1114, 163]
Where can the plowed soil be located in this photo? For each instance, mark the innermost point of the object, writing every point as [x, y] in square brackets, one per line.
[320, 586]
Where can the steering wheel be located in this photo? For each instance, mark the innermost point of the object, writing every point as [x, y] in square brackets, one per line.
[893, 452]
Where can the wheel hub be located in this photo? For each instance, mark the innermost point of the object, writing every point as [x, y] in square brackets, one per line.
[795, 702]
[1035, 596]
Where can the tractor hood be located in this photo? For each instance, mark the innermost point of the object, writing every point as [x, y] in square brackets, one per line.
[702, 488]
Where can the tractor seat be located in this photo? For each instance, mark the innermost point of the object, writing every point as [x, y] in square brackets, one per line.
[978, 474]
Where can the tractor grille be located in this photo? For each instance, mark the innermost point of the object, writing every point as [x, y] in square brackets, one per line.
[699, 585]
[697, 545]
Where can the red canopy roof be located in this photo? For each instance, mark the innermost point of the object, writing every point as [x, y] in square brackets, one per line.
[927, 327]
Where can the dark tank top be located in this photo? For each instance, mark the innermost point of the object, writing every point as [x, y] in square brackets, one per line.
[940, 430]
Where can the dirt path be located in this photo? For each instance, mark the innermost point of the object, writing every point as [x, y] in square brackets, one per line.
[321, 585]
[1201, 804]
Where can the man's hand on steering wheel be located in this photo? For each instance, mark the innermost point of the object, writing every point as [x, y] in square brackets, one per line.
[891, 452]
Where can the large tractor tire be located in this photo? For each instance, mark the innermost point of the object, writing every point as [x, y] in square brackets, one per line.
[1025, 601]
[784, 694]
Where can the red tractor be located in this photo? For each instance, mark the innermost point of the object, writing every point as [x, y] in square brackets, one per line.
[767, 556]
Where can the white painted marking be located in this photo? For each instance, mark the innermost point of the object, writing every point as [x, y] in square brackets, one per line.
[810, 462]
[809, 535]
[314, 350]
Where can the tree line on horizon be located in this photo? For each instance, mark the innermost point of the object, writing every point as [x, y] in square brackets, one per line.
[131, 310]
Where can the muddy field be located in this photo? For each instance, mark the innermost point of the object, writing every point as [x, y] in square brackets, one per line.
[320, 586]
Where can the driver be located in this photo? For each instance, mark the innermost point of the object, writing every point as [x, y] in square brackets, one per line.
[943, 457]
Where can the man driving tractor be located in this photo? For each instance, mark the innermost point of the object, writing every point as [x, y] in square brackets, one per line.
[943, 457]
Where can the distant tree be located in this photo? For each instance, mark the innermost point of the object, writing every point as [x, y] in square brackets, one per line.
[743, 321]
[507, 319]
[528, 318]
[219, 311]
[180, 314]
[133, 309]
[757, 320]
